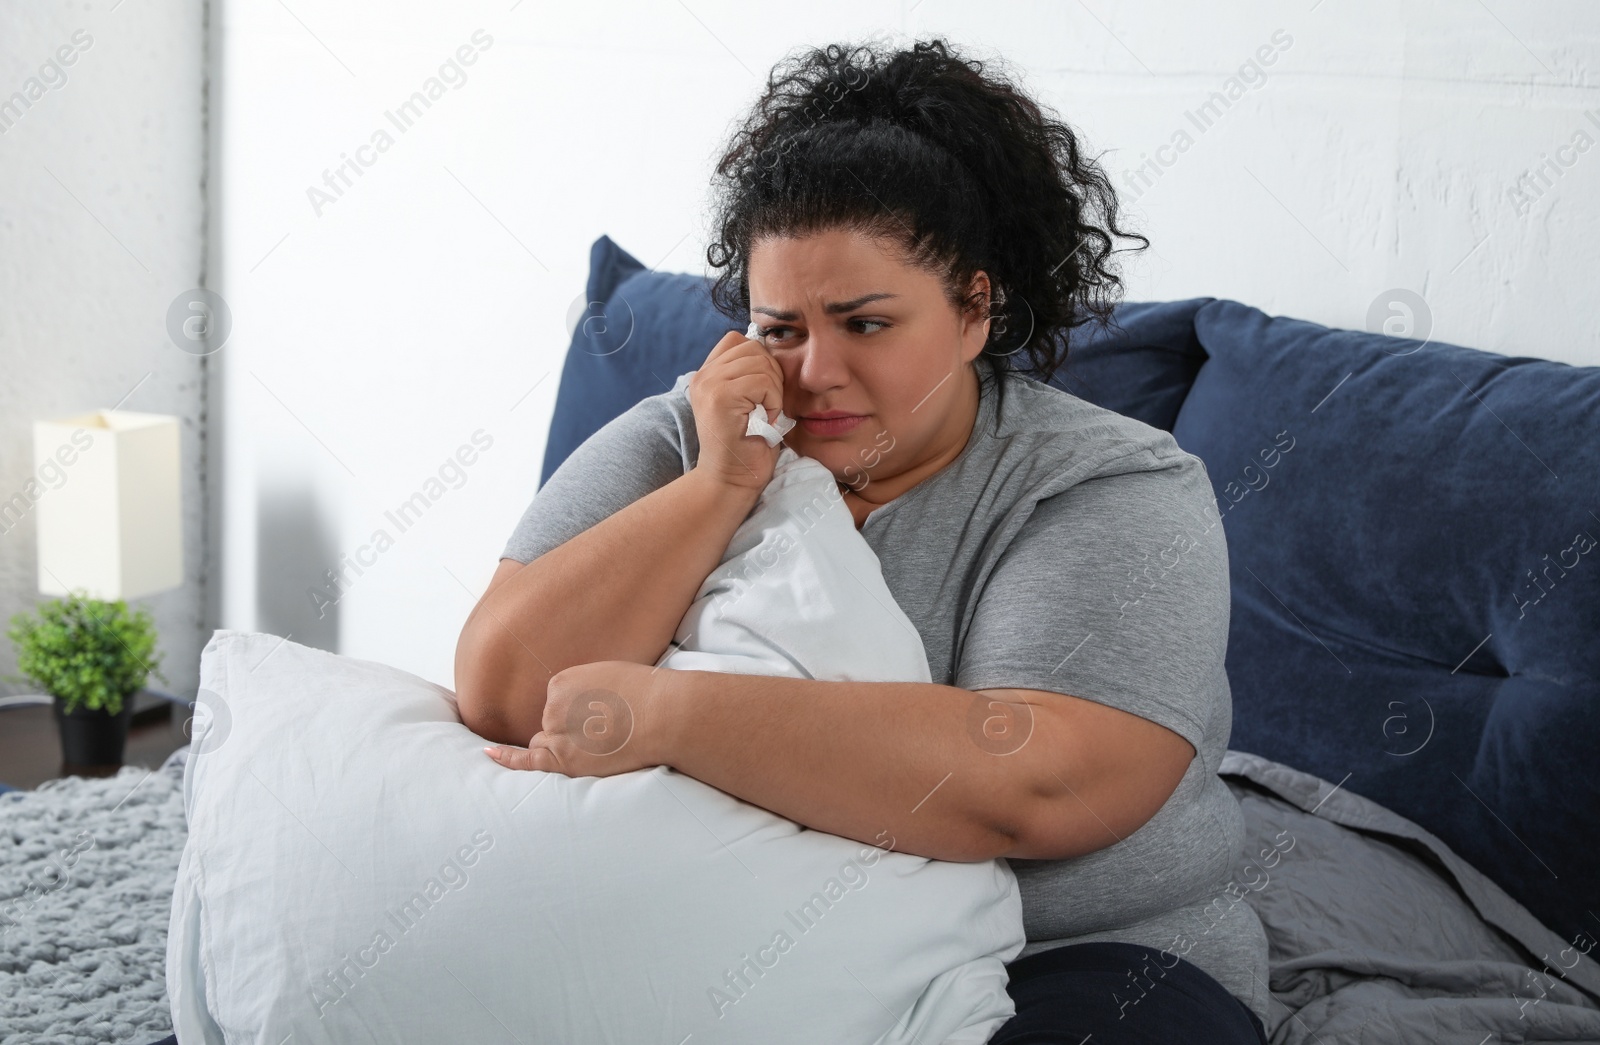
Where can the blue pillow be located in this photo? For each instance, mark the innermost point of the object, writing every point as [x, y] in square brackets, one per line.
[1412, 532]
[641, 329]
[1143, 366]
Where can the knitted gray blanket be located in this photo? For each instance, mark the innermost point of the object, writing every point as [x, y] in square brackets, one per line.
[86, 874]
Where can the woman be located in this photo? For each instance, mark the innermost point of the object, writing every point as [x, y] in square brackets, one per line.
[909, 235]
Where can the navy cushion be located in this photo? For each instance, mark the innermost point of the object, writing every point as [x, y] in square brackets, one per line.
[1415, 602]
[1142, 366]
[640, 330]
[1412, 531]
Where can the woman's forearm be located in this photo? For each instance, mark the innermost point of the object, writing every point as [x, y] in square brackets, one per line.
[892, 764]
[616, 591]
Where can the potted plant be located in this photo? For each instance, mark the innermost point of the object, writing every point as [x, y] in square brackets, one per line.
[92, 656]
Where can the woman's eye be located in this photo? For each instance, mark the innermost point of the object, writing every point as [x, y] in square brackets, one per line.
[769, 335]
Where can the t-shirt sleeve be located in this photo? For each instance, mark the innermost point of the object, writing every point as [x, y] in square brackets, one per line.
[1115, 590]
[635, 453]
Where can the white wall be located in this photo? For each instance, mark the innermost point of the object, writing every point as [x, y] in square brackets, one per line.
[102, 221]
[1380, 151]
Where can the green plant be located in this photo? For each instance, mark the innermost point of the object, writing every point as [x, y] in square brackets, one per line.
[88, 652]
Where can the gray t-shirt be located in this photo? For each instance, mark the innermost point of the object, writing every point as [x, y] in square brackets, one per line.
[1068, 548]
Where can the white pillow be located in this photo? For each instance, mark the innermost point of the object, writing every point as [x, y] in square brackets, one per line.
[799, 592]
[358, 871]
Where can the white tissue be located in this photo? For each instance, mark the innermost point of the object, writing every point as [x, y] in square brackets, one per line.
[772, 432]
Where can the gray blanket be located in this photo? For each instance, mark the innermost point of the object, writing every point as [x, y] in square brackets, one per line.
[86, 873]
[1379, 933]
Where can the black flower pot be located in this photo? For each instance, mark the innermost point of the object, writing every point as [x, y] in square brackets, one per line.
[91, 736]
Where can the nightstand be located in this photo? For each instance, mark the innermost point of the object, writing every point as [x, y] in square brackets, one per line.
[30, 745]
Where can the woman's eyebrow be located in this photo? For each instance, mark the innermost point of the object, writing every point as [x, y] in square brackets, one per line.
[832, 308]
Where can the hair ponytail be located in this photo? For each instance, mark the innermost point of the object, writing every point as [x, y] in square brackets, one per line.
[963, 170]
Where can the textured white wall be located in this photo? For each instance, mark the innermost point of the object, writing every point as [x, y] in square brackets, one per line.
[1387, 148]
[102, 191]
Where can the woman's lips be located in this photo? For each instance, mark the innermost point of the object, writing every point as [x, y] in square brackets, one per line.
[830, 425]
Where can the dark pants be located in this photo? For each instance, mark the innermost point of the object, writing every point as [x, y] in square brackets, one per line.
[1121, 994]
[1115, 994]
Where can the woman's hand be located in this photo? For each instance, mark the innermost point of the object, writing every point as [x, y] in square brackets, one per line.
[600, 719]
[737, 375]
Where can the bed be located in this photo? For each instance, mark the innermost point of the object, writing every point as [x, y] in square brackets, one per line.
[1411, 654]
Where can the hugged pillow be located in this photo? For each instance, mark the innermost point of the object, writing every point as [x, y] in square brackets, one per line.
[357, 870]
[788, 597]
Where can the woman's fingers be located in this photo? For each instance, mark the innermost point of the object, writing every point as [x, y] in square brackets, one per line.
[531, 758]
[738, 375]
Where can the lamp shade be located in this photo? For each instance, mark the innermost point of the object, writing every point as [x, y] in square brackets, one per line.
[111, 521]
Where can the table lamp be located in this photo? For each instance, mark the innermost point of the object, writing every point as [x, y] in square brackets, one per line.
[110, 521]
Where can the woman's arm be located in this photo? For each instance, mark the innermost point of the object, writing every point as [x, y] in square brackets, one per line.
[915, 766]
[616, 591]
[618, 588]
[1076, 708]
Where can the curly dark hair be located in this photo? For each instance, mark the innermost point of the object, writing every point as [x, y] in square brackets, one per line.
[963, 172]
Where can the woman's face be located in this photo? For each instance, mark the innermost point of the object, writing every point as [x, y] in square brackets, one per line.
[857, 330]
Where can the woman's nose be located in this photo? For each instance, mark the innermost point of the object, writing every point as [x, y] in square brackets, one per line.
[822, 363]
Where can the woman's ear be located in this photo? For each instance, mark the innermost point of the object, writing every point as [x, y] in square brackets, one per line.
[976, 326]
